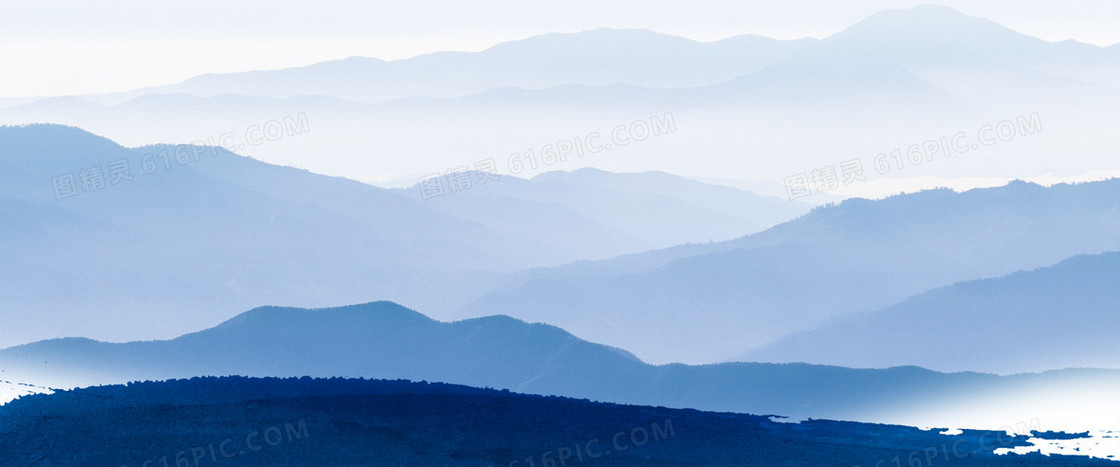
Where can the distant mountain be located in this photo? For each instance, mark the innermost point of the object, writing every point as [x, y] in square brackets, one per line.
[748, 107]
[598, 57]
[962, 53]
[880, 52]
[232, 103]
[1056, 317]
[644, 210]
[119, 242]
[98, 236]
[359, 422]
[926, 33]
[385, 340]
[705, 303]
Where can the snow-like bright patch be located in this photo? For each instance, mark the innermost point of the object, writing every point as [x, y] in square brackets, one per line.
[1099, 444]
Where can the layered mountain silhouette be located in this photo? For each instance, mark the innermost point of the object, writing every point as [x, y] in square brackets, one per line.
[345, 421]
[255, 233]
[598, 57]
[98, 236]
[645, 211]
[1056, 317]
[920, 39]
[385, 340]
[703, 303]
[128, 253]
[853, 93]
[958, 52]
[987, 308]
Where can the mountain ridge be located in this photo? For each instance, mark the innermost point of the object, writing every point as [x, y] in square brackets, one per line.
[385, 340]
[348, 421]
[1068, 305]
[854, 256]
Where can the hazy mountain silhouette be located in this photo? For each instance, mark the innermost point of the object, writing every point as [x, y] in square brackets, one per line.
[385, 340]
[854, 92]
[926, 309]
[129, 258]
[597, 57]
[878, 53]
[643, 210]
[704, 303]
[1056, 317]
[929, 37]
[132, 249]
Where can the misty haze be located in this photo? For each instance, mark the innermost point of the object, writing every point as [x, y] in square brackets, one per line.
[432, 233]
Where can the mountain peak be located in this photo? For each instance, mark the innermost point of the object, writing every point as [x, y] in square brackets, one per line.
[45, 142]
[927, 8]
[383, 312]
[921, 33]
[930, 23]
[49, 130]
[927, 13]
[593, 40]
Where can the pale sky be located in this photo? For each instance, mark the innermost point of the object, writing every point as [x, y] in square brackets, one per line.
[59, 47]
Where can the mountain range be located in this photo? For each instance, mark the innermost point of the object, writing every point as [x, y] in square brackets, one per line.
[1060, 316]
[715, 302]
[96, 233]
[459, 201]
[385, 340]
[852, 93]
[645, 211]
[914, 38]
[593, 58]
[362, 422]
[241, 228]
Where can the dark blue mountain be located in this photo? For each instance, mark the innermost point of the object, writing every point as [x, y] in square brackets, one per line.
[360, 422]
[385, 340]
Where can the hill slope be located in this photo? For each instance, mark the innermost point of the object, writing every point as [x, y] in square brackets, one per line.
[648, 210]
[597, 57]
[92, 233]
[96, 233]
[707, 303]
[1056, 317]
[351, 422]
[385, 340]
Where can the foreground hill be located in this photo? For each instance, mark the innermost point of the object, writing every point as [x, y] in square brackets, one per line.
[350, 422]
[385, 340]
[1056, 317]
